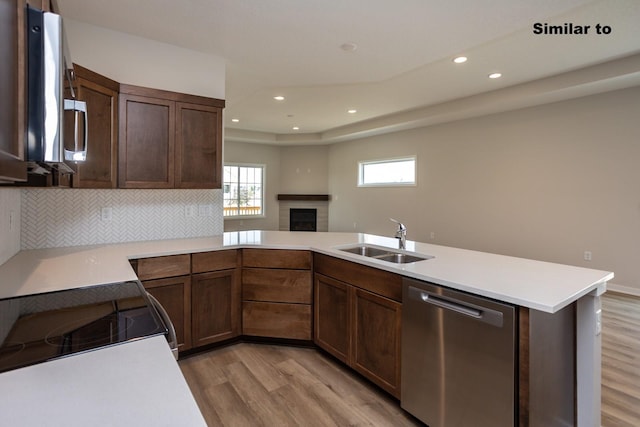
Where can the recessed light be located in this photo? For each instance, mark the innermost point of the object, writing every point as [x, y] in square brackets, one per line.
[348, 46]
[460, 59]
[495, 75]
[296, 128]
[352, 111]
[235, 120]
[279, 98]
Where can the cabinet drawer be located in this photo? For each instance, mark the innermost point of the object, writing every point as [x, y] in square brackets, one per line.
[292, 286]
[164, 266]
[371, 279]
[276, 258]
[276, 320]
[214, 261]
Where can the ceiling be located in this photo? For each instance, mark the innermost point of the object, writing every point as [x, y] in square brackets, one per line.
[401, 73]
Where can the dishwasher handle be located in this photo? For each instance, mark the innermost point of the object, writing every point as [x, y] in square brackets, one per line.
[483, 314]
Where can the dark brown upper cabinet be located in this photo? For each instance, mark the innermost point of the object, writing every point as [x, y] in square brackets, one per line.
[101, 95]
[13, 90]
[169, 140]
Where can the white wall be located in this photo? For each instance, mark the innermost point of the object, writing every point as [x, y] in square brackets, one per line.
[304, 169]
[547, 183]
[143, 62]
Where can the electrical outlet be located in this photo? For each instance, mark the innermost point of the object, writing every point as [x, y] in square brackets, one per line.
[106, 214]
[587, 255]
[12, 220]
[432, 235]
[204, 210]
[190, 211]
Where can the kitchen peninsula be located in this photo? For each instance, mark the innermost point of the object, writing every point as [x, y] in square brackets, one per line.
[539, 289]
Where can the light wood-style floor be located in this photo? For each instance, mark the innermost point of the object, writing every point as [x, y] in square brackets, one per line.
[269, 385]
[620, 360]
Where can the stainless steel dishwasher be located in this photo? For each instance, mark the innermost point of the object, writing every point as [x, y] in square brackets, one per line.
[458, 358]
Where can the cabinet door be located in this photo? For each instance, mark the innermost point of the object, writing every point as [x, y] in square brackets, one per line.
[198, 146]
[215, 306]
[173, 294]
[146, 142]
[12, 88]
[376, 339]
[101, 96]
[332, 320]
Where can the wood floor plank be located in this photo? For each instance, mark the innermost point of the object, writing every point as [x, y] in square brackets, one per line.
[620, 360]
[324, 397]
[262, 364]
[230, 408]
[256, 396]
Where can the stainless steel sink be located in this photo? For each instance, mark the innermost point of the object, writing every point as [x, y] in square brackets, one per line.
[368, 251]
[386, 254]
[400, 258]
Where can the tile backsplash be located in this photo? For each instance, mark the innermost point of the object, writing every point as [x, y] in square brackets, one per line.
[71, 217]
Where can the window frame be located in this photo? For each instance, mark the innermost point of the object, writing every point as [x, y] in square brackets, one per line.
[363, 163]
[264, 176]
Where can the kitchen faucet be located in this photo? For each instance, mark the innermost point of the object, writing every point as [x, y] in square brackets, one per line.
[401, 234]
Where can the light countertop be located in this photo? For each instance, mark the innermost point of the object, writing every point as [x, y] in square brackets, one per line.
[537, 285]
[134, 384]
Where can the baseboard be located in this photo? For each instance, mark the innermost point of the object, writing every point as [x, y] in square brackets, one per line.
[622, 289]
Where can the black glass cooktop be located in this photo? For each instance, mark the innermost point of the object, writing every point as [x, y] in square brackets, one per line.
[42, 327]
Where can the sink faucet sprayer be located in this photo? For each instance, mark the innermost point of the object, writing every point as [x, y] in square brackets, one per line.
[401, 234]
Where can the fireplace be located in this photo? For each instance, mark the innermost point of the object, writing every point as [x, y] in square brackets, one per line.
[303, 219]
[303, 212]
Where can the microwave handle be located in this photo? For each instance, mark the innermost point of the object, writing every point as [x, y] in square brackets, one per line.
[77, 106]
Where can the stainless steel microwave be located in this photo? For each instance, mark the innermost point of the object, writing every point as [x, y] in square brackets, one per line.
[49, 74]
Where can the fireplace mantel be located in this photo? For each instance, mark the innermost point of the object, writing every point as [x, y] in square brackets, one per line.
[305, 197]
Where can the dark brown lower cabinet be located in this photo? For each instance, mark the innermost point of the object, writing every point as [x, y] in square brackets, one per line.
[173, 293]
[215, 306]
[360, 328]
[276, 293]
[376, 333]
[200, 292]
[332, 321]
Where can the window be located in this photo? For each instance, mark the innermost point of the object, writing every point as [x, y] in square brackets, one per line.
[243, 187]
[388, 172]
